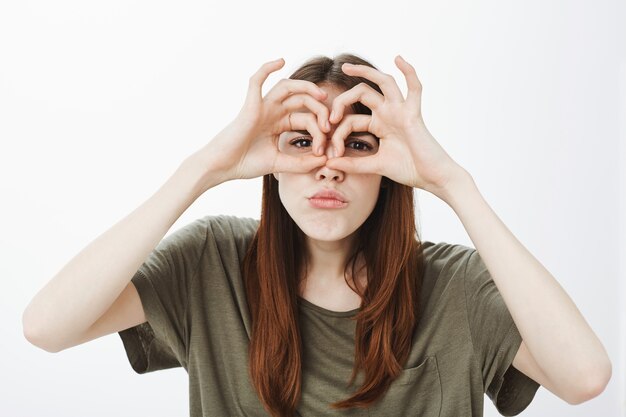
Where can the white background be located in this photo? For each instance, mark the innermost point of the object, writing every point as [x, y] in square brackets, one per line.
[101, 101]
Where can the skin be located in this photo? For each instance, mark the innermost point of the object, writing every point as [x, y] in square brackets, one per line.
[330, 233]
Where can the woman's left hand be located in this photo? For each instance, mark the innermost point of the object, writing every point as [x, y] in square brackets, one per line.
[407, 152]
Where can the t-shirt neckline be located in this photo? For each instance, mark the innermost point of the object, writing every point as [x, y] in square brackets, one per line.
[307, 304]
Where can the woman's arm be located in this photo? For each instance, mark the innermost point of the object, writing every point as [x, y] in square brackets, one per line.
[82, 291]
[561, 343]
[79, 294]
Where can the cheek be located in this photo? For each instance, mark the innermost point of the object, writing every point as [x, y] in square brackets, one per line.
[373, 183]
[370, 187]
[288, 186]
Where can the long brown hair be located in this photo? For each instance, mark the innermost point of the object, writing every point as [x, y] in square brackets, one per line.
[390, 245]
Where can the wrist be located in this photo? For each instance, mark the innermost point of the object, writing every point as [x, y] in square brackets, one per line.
[456, 188]
[197, 175]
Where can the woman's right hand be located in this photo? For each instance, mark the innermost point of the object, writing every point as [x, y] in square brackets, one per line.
[248, 146]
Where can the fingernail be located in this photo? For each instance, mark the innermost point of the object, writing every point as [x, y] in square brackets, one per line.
[327, 125]
[332, 114]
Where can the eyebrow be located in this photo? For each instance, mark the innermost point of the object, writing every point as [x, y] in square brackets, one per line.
[306, 132]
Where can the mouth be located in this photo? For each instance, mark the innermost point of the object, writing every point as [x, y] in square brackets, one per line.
[327, 203]
[330, 194]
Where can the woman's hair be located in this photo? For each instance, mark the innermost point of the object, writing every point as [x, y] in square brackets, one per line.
[272, 273]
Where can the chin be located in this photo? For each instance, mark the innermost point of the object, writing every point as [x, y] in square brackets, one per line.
[327, 228]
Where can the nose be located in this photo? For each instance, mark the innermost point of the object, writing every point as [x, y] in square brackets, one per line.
[326, 172]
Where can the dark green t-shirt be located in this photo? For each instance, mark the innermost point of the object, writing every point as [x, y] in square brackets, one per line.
[193, 296]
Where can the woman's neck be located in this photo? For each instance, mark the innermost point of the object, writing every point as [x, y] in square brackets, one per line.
[327, 266]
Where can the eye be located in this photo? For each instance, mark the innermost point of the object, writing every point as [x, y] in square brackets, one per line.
[365, 146]
[297, 140]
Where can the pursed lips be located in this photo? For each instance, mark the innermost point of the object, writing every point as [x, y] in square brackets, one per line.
[329, 195]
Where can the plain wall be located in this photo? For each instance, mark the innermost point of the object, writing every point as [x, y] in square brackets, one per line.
[101, 101]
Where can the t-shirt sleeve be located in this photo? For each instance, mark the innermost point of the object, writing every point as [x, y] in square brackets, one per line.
[495, 340]
[163, 282]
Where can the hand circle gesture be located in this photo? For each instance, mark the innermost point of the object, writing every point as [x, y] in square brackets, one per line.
[248, 146]
[407, 153]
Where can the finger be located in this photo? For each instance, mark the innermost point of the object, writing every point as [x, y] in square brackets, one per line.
[358, 165]
[287, 87]
[350, 123]
[307, 121]
[360, 92]
[413, 84]
[258, 78]
[297, 101]
[385, 81]
[299, 164]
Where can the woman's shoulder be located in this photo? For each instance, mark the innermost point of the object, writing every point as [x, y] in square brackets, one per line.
[227, 223]
[443, 261]
[225, 231]
[443, 275]
[442, 253]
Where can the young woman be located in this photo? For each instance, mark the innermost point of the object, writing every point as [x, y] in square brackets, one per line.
[330, 304]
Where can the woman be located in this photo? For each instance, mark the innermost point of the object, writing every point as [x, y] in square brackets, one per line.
[329, 304]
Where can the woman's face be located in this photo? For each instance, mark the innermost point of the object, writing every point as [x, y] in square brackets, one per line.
[360, 190]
